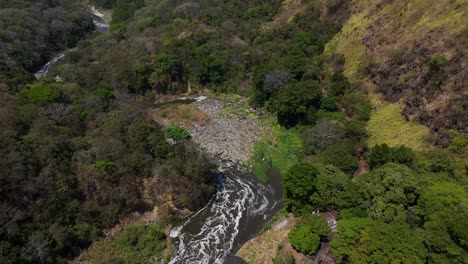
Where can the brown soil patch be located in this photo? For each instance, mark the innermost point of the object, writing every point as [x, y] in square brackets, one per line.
[263, 248]
[180, 114]
[285, 15]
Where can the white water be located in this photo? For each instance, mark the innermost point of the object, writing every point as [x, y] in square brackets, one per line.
[101, 26]
[45, 69]
[209, 235]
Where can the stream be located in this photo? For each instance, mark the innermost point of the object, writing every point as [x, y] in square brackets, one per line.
[238, 211]
[100, 25]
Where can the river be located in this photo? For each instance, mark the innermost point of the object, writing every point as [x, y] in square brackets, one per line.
[101, 26]
[238, 211]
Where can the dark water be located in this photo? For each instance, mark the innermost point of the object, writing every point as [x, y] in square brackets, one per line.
[239, 210]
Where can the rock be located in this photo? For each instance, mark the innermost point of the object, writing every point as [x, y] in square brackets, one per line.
[231, 132]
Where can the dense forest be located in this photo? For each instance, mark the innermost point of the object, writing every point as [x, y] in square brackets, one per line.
[32, 31]
[75, 155]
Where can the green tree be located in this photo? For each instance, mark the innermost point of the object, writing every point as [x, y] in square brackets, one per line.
[308, 232]
[177, 133]
[441, 197]
[292, 102]
[389, 190]
[362, 240]
[381, 154]
[339, 156]
[299, 185]
[304, 239]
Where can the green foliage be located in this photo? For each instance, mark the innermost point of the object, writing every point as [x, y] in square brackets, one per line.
[123, 11]
[282, 151]
[362, 240]
[298, 184]
[307, 233]
[292, 102]
[441, 161]
[102, 166]
[381, 154]
[438, 63]
[441, 197]
[40, 92]
[313, 186]
[389, 190]
[357, 105]
[212, 70]
[329, 103]
[458, 142]
[177, 133]
[137, 244]
[339, 156]
[303, 239]
[143, 243]
[339, 84]
[33, 31]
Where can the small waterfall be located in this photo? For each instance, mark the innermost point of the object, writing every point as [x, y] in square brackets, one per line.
[101, 26]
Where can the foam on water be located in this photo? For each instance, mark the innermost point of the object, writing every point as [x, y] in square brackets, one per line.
[101, 26]
[217, 224]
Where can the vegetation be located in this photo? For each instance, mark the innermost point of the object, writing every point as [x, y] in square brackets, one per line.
[176, 133]
[78, 155]
[306, 235]
[32, 31]
[143, 243]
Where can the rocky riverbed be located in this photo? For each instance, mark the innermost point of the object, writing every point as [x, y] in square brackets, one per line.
[232, 129]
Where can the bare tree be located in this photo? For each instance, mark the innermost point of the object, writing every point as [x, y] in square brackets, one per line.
[57, 112]
[326, 133]
[189, 10]
[276, 79]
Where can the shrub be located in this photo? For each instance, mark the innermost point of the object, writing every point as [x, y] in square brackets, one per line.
[382, 154]
[306, 235]
[438, 63]
[339, 156]
[177, 133]
[328, 103]
[40, 92]
[292, 102]
[304, 240]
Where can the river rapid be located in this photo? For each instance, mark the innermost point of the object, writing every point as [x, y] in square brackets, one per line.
[100, 26]
[238, 211]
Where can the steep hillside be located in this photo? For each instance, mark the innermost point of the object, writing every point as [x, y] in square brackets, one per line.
[412, 53]
[32, 31]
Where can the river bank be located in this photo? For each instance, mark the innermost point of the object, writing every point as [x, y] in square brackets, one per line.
[101, 23]
[227, 129]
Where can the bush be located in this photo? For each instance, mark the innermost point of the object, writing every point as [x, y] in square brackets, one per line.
[304, 240]
[177, 133]
[438, 63]
[306, 235]
[339, 156]
[328, 103]
[382, 154]
[40, 92]
[292, 102]
[339, 84]
[284, 257]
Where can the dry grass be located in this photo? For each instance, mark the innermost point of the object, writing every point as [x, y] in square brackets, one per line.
[403, 23]
[263, 248]
[180, 114]
[387, 125]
